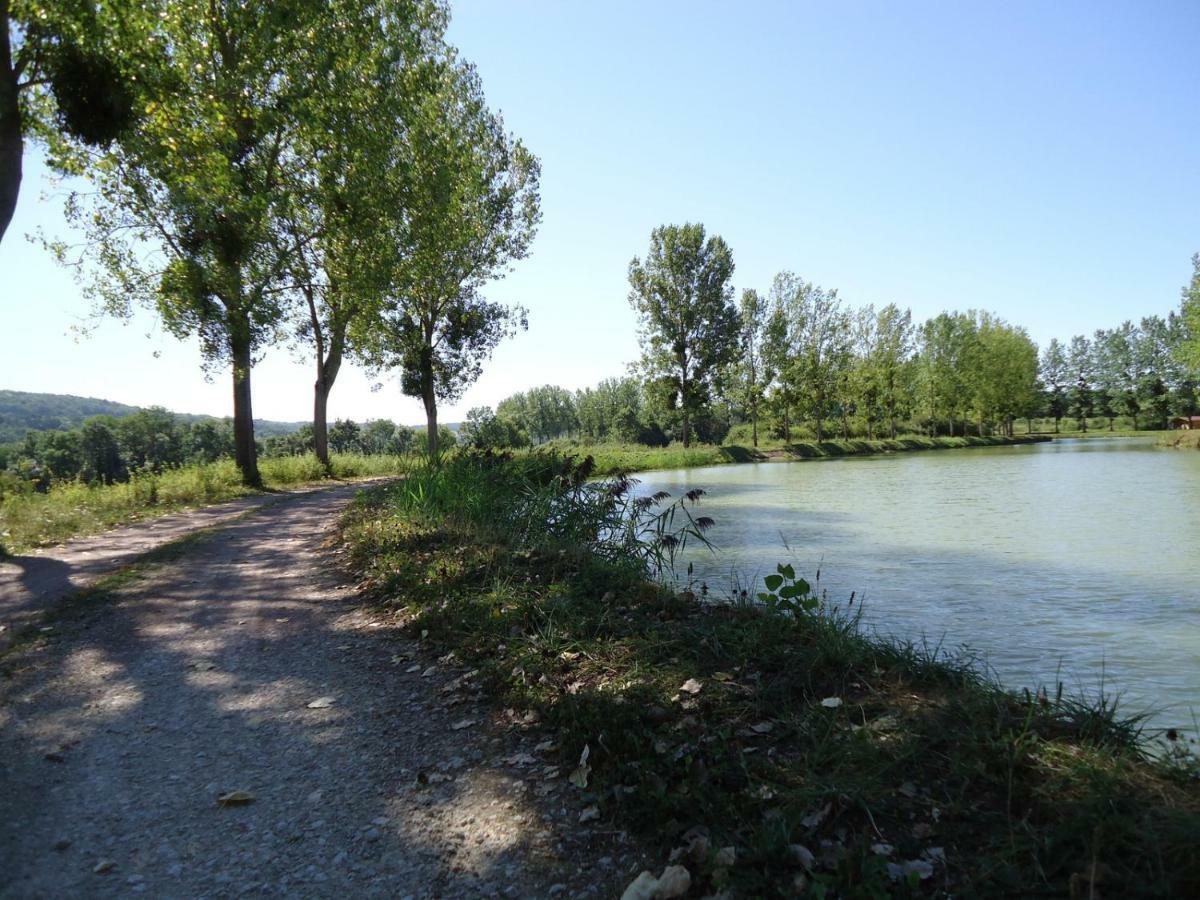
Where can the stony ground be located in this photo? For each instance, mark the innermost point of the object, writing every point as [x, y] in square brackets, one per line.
[234, 723]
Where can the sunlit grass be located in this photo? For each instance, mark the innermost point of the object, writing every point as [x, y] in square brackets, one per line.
[69, 509]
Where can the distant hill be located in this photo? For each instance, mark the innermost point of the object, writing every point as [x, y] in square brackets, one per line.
[21, 412]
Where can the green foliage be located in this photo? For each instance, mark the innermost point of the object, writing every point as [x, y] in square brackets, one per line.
[471, 194]
[1188, 343]
[689, 326]
[786, 594]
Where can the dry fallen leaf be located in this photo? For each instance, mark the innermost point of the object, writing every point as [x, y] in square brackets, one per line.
[322, 703]
[103, 866]
[235, 798]
[590, 814]
[460, 725]
[831, 702]
[761, 727]
[691, 686]
[579, 777]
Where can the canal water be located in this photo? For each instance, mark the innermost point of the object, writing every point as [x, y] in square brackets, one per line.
[1076, 561]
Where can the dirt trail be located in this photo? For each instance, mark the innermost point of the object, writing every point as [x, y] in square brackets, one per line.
[34, 580]
[120, 733]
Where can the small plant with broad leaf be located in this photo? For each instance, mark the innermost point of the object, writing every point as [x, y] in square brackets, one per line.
[787, 594]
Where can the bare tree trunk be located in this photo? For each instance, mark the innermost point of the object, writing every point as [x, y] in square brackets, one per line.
[245, 451]
[683, 400]
[429, 398]
[431, 423]
[754, 423]
[327, 372]
[12, 145]
[321, 420]
[787, 425]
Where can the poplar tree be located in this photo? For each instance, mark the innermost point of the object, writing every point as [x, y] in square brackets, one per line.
[689, 326]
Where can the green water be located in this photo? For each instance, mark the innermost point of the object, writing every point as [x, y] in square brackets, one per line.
[1077, 561]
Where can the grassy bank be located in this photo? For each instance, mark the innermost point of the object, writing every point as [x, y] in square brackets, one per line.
[70, 509]
[832, 763]
[1180, 440]
[613, 458]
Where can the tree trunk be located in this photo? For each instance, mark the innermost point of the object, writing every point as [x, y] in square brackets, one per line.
[245, 452]
[1057, 421]
[683, 400]
[754, 425]
[12, 145]
[787, 426]
[430, 400]
[327, 372]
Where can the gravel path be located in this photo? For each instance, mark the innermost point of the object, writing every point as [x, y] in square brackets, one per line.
[32, 581]
[369, 768]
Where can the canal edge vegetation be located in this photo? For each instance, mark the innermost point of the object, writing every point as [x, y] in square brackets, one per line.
[771, 747]
[67, 509]
[612, 459]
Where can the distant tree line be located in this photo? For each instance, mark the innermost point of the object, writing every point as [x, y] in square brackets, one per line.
[799, 356]
[109, 450]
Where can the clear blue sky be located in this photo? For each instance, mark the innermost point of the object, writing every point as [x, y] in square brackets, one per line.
[1036, 159]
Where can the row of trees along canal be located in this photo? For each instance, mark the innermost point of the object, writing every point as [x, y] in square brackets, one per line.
[801, 353]
[326, 173]
[322, 173]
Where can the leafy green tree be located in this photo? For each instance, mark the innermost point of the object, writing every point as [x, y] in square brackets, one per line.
[1188, 346]
[345, 437]
[59, 454]
[470, 191]
[207, 442]
[1079, 366]
[688, 322]
[150, 440]
[67, 69]
[891, 361]
[484, 429]
[100, 455]
[613, 411]
[384, 437]
[543, 413]
[189, 212]
[810, 337]
[1005, 373]
[750, 372]
[1053, 371]
[947, 349]
[1158, 373]
[379, 62]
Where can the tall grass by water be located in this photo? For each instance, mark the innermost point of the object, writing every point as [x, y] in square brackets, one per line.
[32, 519]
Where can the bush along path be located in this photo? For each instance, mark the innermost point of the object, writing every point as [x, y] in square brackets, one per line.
[765, 749]
[233, 723]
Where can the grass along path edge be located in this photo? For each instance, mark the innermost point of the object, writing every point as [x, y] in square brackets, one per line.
[31, 519]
